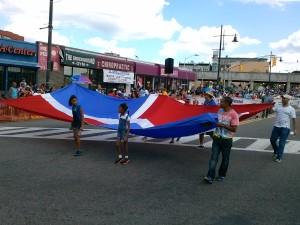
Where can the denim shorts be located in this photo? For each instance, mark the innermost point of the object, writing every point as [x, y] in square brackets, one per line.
[121, 134]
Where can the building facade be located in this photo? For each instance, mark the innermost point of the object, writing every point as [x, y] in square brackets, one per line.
[10, 35]
[18, 61]
[108, 70]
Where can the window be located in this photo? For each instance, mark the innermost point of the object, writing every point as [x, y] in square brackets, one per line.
[68, 70]
[80, 71]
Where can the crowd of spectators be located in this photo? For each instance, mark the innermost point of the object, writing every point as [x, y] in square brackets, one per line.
[25, 89]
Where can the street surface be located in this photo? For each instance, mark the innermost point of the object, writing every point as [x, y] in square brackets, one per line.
[42, 183]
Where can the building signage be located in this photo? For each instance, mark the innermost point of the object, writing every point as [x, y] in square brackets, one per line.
[174, 74]
[121, 77]
[114, 64]
[77, 58]
[10, 49]
[43, 53]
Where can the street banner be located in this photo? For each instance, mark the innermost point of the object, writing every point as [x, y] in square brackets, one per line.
[120, 77]
[43, 53]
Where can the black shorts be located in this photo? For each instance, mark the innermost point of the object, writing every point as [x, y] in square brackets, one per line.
[75, 125]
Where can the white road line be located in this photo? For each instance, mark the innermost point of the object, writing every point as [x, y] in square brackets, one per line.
[10, 131]
[259, 144]
[100, 137]
[292, 147]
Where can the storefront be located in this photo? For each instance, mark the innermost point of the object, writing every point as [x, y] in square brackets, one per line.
[178, 79]
[147, 75]
[76, 62]
[112, 73]
[18, 61]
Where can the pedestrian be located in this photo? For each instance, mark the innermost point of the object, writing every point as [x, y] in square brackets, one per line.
[77, 123]
[228, 121]
[209, 101]
[13, 91]
[281, 130]
[122, 136]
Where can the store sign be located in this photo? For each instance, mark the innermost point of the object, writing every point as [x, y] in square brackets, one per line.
[10, 49]
[174, 74]
[120, 77]
[43, 53]
[110, 64]
[77, 58]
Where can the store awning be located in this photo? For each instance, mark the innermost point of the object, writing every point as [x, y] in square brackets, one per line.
[146, 69]
[8, 62]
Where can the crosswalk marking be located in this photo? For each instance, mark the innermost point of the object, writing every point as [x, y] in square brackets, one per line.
[255, 144]
[260, 144]
[292, 147]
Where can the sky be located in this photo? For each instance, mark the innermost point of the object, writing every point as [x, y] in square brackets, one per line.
[153, 30]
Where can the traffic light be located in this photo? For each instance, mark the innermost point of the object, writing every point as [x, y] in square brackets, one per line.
[274, 60]
[241, 67]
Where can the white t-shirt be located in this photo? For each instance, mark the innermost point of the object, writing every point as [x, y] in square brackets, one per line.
[284, 115]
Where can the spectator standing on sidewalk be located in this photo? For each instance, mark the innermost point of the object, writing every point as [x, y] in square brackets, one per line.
[222, 140]
[284, 113]
[13, 91]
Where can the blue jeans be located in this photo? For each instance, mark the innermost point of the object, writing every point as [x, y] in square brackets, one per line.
[223, 146]
[282, 133]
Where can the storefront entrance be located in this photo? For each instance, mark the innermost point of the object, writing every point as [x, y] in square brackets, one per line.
[16, 74]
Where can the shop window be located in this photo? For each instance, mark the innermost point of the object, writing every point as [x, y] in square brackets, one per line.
[2, 78]
[68, 70]
[17, 74]
[80, 71]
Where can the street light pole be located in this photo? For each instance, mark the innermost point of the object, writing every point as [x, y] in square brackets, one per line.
[219, 59]
[220, 49]
[270, 68]
[50, 28]
[188, 58]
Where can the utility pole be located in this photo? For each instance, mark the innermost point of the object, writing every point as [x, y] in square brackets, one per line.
[50, 28]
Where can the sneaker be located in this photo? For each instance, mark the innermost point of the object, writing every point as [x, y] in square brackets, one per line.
[208, 180]
[277, 160]
[178, 139]
[220, 179]
[274, 155]
[78, 153]
[172, 141]
[200, 147]
[119, 161]
[125, 162]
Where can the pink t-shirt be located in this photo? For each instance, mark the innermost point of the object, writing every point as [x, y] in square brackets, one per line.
[230, 118]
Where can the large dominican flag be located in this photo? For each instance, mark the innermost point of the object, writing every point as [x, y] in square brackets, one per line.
[153, 116]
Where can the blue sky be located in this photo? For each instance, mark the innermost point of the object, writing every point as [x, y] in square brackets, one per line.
[157, 29]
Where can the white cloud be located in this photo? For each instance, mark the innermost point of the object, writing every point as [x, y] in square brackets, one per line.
[279, 3]
[249, 41]
[291, 44]
[99, 42]
[111, 46]
[203, 41]
[121, 20]
[289, 50]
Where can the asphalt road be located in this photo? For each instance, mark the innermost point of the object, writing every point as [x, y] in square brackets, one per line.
[42, 183]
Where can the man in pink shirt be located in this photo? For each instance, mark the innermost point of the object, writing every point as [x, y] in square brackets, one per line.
[228, 120]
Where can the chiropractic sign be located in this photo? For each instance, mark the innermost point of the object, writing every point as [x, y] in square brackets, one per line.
[114, 64]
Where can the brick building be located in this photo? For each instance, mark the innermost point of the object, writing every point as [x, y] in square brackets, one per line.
[10, 35]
